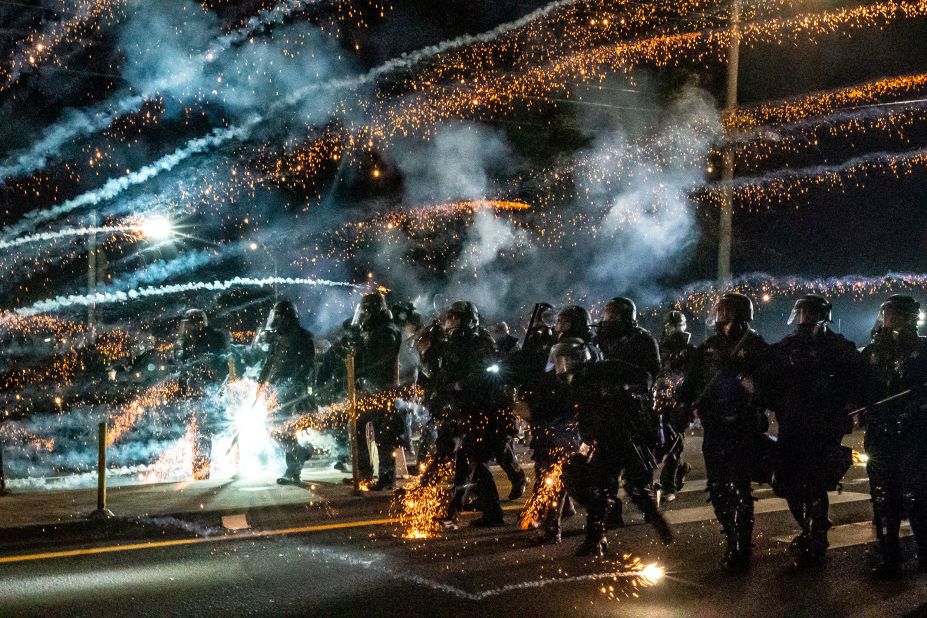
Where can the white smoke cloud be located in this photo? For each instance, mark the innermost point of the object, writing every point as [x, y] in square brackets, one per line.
[455, 165]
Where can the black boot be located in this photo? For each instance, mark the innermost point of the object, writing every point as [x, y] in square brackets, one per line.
[550, 533]
[809, 548]
[739, 541]
[551, 530]
[887, 528]
[737, 555]
[643, 500]
[518, 487]
[569, 509]
[595, 544]
[597, 512]
[922, 558]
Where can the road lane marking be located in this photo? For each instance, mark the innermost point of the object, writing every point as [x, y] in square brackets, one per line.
[681, 516]
[257, 534]
[848, 535]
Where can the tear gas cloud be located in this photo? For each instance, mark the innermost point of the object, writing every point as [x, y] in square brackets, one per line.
[642, 222]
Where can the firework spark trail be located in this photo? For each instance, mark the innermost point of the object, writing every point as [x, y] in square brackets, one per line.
[496, 93]
[755, 147]
[410, 59]
[177, 458]
[629, 571]
[74, 124]
[129, 414]
[545, 79]
[787, 184]
[762, 288]
[114, 186]
[104, 298]
[265, 18]
[818, 103]
[78, 123]
[162, 270]
[16, 433]
[70, 231]
[40, 46]
[59, 135]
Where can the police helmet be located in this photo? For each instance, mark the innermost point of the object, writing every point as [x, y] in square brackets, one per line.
[466, 312]
[675, 319]
[569, 354]
[620, 309]
[282, 315]
[576, 321]
[811, 309]
[371, 304]
[900, 312]
[732, 307]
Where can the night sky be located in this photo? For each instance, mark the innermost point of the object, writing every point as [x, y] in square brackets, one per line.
[873, 226]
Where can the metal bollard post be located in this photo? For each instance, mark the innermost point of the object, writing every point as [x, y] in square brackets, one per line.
[3, 490]
[352, 424]
[102, 512]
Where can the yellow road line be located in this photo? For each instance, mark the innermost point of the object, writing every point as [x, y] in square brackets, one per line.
[90, 551]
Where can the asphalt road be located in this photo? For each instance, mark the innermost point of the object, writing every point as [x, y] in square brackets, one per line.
[365, 569]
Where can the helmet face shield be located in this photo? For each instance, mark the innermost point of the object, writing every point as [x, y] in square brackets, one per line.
[361, 315]
[370, 305]
[900, 313]
[548, 317]
[563, 365]
[730, 308]
[620, 310]
[894, 318]
[674, 322]
[719, 314]
[810, 310]
[566, 356]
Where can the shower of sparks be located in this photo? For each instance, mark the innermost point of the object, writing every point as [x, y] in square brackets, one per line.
[546, 494]
[126, 417]
[422, 502]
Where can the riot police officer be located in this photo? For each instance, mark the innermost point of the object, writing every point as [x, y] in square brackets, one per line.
[634, 354]
[554, 427]
[724, 386]
[675, 349]
[377, 370]
[621, 338]
[895, 430]
[201, 352]
[573, 322]
[505, 456]
[505, 341]
[675, 343]
[816, 377]
[616, 418]
[287, 367]
[475, 407]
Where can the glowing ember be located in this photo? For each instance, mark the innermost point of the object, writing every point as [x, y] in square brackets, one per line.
[546, 493]
[420, 504]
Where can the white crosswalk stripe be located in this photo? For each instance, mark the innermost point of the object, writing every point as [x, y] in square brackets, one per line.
[848, 535]
[764, 505]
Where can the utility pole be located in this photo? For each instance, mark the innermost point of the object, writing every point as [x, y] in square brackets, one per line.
[91, 272]
[727, 176]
